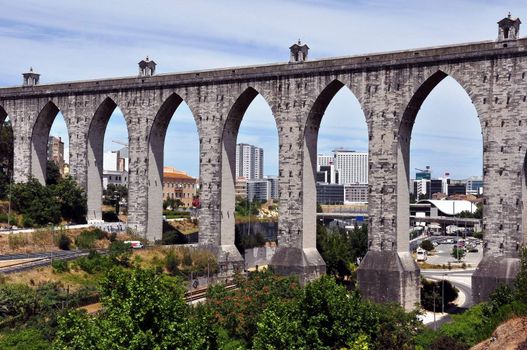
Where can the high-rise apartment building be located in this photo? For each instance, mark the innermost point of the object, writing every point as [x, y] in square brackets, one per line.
[352, 167]
[344, 167]
[56, 152]
[249, 161]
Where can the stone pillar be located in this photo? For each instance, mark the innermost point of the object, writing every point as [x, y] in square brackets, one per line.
[20, 115]
[297, 253]
[504, 148]
[388, 272]
[139, 115]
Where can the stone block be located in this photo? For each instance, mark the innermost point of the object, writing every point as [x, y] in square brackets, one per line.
[307, 264]
[228, 258]
[492, 272]
[389, 276]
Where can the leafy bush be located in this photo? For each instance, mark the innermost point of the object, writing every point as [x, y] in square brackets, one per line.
[64, 242]
[478, 235]
[326, 316]
[17, 300]
[458, 253]
[159, 319]
[427, 245]
[60, 266]
[86, 239]
[445, 342]
[120, 253]
[172, 262]
[93, 263]
[25, 338]
[41, 205]
[35, 202]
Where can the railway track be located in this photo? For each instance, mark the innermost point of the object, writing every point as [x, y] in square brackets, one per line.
[192, 296]
[38, 260]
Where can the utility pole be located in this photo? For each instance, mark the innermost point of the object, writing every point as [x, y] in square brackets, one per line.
[9, 197]
[443, 295]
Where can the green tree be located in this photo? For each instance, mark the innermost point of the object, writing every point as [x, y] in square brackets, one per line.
[142, 310]
[36, 202]
[458, 253]
[245, 207]
[340, 249]
[52, 173]
[427, 245]
[114, 194]
[72, 200]
[326, 316]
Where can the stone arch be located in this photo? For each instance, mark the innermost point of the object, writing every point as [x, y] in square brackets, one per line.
[39, 139]
[228, 158]
[310, 142]
[156, 143]
[95, 140]
[404, 133]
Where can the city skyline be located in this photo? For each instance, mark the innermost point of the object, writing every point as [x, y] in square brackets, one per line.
[88, 42]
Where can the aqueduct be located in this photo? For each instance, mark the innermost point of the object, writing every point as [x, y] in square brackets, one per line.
[390, 88]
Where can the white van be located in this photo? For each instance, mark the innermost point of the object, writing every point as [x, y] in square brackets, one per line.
[421, 254]
[135, 244]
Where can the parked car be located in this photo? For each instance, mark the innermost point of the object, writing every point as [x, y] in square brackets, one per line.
[135, 244]
[421, 254]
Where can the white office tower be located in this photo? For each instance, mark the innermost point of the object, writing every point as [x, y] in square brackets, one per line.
[352, 167]
[249, 161]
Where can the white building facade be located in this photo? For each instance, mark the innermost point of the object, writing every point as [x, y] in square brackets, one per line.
[249, 161]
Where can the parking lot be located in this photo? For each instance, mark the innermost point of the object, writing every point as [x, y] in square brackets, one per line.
[442, 254]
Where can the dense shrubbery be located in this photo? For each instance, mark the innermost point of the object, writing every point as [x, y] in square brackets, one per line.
[145, 309]
[159, 319]
[340, 249]
[87, 238]
[40, 205]
[118, 254]
[427, 245]
[64, 242]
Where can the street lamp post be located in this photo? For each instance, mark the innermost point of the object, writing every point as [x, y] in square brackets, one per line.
[52, 241]
[434, 296]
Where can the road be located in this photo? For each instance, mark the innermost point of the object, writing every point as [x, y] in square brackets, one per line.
[461, 279]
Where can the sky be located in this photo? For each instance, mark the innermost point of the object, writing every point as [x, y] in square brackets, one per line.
[78, 40]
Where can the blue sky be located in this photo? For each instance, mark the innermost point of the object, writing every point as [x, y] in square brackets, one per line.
[76, 40]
